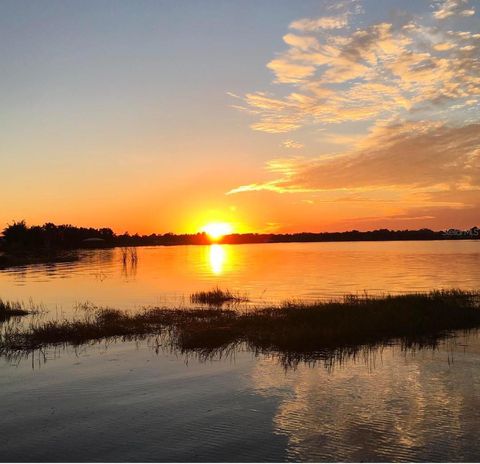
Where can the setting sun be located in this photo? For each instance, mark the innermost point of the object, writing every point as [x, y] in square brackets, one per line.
[216, 230]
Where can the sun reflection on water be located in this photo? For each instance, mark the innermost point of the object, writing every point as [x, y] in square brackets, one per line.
[218, 258]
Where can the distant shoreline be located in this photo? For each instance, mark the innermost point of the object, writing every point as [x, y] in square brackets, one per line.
[273, 242]
[21, 244]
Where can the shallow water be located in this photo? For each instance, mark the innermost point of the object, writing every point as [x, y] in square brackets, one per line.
[266, 273]
[124, 402]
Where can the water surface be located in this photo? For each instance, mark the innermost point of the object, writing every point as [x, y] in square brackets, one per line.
[124, 402]
[266, 273]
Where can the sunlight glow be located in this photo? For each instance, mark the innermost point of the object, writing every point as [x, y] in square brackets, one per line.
[217, 258]
[216, 230]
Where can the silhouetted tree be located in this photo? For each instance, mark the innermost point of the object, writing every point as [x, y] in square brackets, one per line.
[50, 237]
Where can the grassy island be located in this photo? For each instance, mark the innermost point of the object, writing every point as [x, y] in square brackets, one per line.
[296, 330]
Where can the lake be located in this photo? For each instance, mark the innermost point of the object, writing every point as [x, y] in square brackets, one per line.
[124, 402]
[266, 273]
[128, 401]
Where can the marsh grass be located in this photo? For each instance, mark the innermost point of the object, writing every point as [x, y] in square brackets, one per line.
[216, 297]
[129, 254]
[294, 332]
[12, 308]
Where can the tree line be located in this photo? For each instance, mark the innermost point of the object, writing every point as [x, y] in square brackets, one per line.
[19, 235]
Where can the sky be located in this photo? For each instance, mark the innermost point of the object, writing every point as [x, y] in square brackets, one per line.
[273, 116]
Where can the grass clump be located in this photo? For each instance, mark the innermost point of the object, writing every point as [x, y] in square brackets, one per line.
[295, 331]
[216, 297]
[129, 254]
[10, 309]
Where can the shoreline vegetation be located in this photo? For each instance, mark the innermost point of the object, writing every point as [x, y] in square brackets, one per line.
[216, 297]
[294, 332]
[9, 309]
[21, 244]
[18, 241]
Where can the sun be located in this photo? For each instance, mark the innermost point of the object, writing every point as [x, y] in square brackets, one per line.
[216, 230]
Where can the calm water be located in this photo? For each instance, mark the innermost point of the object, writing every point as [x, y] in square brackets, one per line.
[267, 273]
[125, 402]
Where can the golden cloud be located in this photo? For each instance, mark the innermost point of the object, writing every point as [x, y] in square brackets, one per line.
[379, 71]
[449, 8]
[409, 156]
[325, 22]
[416, 85]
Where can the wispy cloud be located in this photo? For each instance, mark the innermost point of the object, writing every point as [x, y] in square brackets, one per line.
[325, 22]
[415, 155]
[422, 170]
[448, 8]
[413, 83]
[289, 143]
[378, 71]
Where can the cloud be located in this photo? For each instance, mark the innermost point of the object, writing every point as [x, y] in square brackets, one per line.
[443, 46]
[413, 157]
[449, 8]
[324, 22]
[412, 85]
[288, 72]
[289, 143]
[379, 71]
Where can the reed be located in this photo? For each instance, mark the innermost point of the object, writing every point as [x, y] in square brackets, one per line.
[294, 331]
[10, 309]
[129, 254]
[216, 297]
